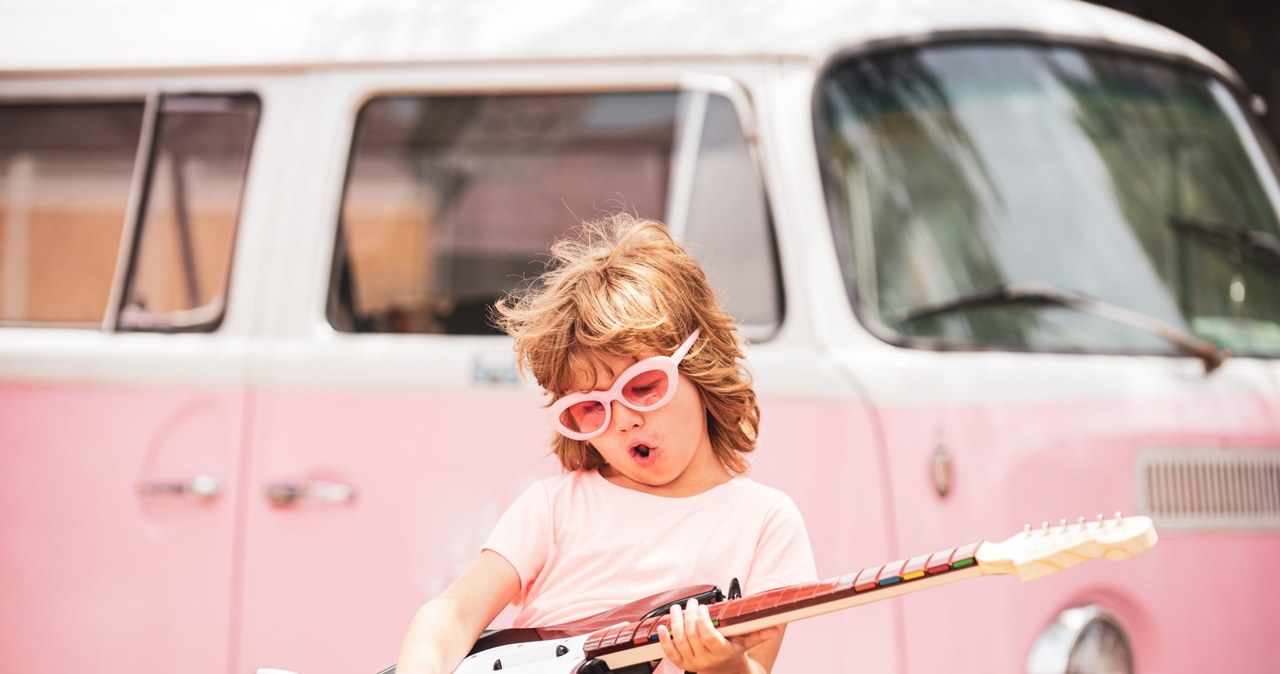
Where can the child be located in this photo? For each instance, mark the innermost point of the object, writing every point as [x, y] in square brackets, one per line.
[654, 414]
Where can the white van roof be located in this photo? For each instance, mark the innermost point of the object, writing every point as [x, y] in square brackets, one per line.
[79, 35]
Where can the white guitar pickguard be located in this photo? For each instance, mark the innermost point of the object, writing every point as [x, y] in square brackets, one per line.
[534, 657]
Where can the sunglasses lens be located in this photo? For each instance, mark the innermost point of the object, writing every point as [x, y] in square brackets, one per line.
[647, 388]
[584, 417]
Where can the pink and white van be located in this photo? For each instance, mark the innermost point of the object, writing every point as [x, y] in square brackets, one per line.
[999, 261]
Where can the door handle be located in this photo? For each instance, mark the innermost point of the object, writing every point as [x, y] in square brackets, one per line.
[200, 486]
[283, 494]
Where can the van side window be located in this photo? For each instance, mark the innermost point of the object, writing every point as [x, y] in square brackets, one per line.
[452, 201]
[186, 233]
[68, 173]
[65, 175]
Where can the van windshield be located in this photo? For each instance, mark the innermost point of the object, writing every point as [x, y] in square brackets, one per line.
[954, 171]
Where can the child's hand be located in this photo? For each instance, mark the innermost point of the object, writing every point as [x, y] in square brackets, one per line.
[695, 645]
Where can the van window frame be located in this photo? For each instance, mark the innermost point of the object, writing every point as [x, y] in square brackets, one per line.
[130, 255]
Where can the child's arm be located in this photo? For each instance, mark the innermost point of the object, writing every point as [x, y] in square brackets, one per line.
[694, 644]
[446, 627]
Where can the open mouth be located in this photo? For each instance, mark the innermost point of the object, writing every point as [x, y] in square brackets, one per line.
[644, 454]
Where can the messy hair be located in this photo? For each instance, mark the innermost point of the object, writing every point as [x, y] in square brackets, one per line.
[621, 286]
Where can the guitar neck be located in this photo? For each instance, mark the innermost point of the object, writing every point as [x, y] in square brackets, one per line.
[635, 642]
[1029, 554]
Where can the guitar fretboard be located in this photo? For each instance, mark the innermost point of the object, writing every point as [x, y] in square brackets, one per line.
[791, 598]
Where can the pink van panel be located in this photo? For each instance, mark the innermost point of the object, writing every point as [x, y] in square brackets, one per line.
[96, 576]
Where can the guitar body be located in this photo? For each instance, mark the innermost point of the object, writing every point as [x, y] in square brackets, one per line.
[558, 649]
[633, 612]
[554, 656]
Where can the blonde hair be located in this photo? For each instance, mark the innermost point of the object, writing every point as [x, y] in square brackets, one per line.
[622, 286]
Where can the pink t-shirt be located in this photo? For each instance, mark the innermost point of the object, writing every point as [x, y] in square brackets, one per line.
[583, 545]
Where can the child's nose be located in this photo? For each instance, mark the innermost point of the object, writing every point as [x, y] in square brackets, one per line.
[625, 418]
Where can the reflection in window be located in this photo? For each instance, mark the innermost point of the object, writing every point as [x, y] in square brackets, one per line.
[186, 234]
[65, 173]
[954, 170]
[451, 201]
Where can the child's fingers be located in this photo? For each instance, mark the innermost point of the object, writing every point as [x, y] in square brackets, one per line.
[692, 637]
[705, 642]
[678, 626]
[669, 650]
[693, 632]
[672, 639]
[711, 636]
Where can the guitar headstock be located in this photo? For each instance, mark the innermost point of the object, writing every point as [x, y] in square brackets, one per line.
[1040, 551]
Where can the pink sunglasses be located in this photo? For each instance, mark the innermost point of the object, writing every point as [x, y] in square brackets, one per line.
[644, 387]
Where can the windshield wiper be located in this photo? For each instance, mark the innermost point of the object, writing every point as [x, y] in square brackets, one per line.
[1259, 246]
[1039, 292]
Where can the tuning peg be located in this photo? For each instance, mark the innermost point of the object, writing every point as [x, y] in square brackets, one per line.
[1080, 522]
[1119, 518]
[1044, 527]
[1063, 523]
[1026, 529]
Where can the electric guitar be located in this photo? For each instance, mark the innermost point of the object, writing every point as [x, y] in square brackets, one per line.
[626, 639]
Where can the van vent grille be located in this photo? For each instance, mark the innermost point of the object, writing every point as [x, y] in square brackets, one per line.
[1210, 489]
